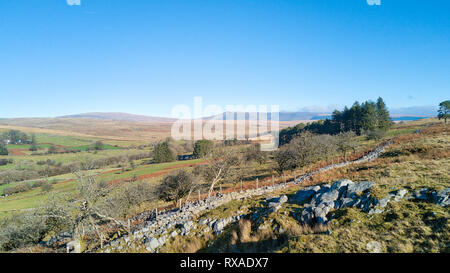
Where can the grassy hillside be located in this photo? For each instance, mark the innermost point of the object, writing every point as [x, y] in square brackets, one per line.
[418, 158]
[414, 161]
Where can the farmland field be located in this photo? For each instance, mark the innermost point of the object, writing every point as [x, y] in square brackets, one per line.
[142, 171]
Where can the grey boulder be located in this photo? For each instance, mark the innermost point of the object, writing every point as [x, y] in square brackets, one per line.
[304, 194]
[358, 188]
[442, 198]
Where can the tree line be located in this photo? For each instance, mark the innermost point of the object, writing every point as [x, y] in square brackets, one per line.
[360, 118]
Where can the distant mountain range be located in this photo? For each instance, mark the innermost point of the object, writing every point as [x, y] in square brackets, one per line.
[412, 113]
[283, 116]
[120, 116]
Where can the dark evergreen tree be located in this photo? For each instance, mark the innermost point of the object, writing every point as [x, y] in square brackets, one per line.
[338, 118]
[444, 110]
[288, 133]
[3, 149]
[355, 116]
[369, 120]
[163, 153]
[202, 147]
[366, 117]
[384, 121]
[98, 145]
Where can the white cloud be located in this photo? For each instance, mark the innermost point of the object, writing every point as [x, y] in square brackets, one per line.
[319, 108]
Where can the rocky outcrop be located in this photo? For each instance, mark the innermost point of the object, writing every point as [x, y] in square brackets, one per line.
[442, 198]
[276, 203]
[346, 193]
[302, 195]
[58, 241]
[342, 193]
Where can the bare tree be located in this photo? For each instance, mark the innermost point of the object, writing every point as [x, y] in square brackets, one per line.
[301, 151]
[222, 163]
[326, 146]
[176, 186]
[346, 142]
[254, 153]
[89, 215]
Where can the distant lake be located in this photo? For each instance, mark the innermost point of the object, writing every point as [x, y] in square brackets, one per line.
[407, 118]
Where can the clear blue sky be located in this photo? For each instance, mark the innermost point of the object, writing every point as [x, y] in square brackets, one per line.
[144, 57]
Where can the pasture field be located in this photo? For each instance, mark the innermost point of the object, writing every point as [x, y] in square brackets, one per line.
[143, 170]
[20, 161]
[67, 183]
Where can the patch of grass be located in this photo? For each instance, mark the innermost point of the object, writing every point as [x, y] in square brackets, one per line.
[147, 170]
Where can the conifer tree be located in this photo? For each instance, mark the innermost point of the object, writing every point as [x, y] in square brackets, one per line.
[369, 116]
[444, 110]
[163, 153]
[3, 149]
[384, 121]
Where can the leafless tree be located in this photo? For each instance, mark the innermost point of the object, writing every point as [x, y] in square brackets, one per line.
[221, 164]
[346, 142]
[175, 186]
[89, 215]
[326, 146]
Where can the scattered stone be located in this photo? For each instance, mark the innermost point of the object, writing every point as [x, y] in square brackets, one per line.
[398, 195]
[306, 193]
[277, 202]
[340, 194]
[442, 198]
[373, 247]
[421, 194]
[218, 226]
[344, 202]
[73, 247]
[162, 240]
[327, 197]
[341, 184]
[382, 203]
[152, 244]
[274, 207]
[283, 199]
[375, 211]
[358, 188]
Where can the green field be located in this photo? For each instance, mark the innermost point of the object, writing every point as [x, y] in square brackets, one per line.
[67, 184]
[87, 147]
[67, 141]
[142, 169]
[66, 157]
[32, 198]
